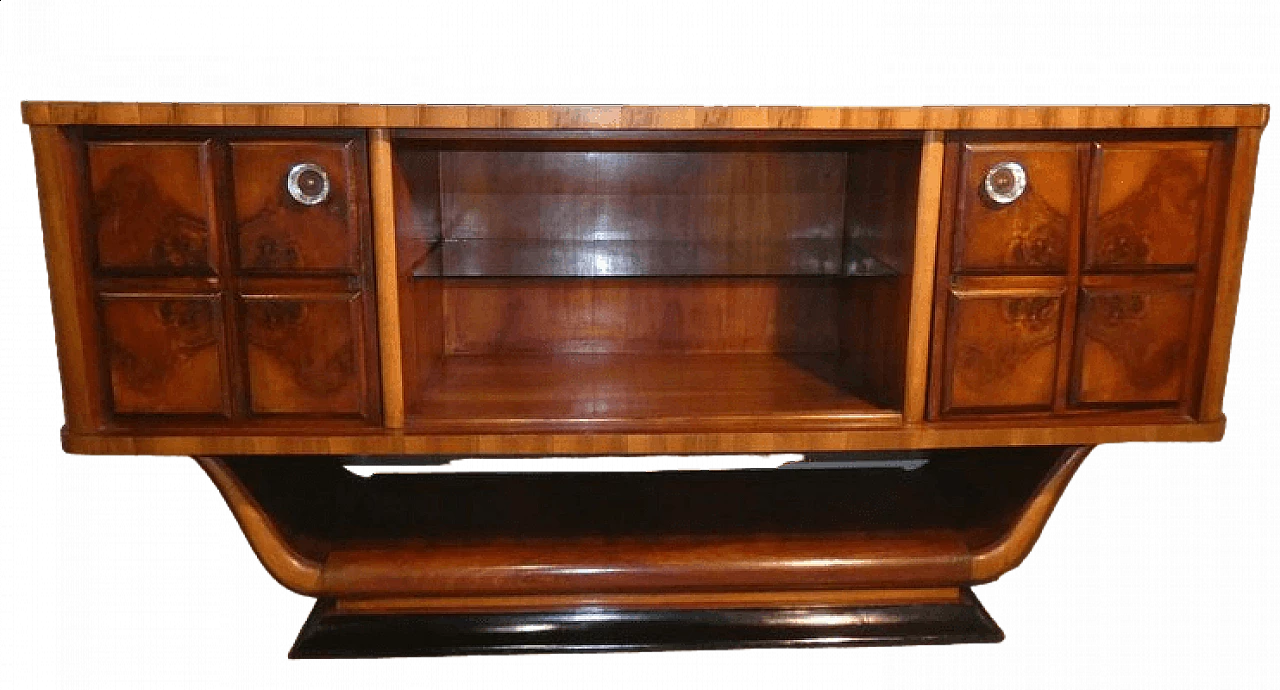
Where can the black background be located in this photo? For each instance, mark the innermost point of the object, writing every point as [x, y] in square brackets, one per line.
[126, 574]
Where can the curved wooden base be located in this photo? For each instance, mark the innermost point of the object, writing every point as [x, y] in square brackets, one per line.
[330, 633]
[854, 553]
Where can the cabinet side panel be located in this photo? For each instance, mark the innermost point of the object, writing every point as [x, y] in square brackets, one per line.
[57, 165]
[1244, 162]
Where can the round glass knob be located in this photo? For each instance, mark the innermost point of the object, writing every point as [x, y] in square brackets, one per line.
[1004, 182]
[308, 184]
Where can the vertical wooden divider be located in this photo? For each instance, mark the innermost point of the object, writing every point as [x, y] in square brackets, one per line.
[928, 207]
[388, 275]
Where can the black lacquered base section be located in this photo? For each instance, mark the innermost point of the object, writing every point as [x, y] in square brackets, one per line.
[331, 635]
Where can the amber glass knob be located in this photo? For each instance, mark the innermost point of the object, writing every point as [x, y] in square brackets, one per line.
[308, 184]
[1004, 182]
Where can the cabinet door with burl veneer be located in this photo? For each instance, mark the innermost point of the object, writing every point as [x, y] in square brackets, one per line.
[298, 206]
[165, 355]
[1017, 208]
[306, 354]
[233, 277]
[1002, 345]
[304, 277]
[1127, 230]
[152, 207]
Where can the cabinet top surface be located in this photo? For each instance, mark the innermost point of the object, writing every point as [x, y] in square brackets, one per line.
[607, 117]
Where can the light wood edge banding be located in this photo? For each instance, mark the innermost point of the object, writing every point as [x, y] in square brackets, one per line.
[292, 569]
[384, 247]
[395, 443]
[641, 117]
[1007, 552]
[1230, 267]
[920, 316]
[651, 601]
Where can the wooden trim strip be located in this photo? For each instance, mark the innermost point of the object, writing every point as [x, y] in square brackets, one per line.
[642, 117]
[384, 247]
[1011, 549]
[288, 566]
[1244, 162]
[71, 317]
[651, 601]
[1003, 433]
[920, 317]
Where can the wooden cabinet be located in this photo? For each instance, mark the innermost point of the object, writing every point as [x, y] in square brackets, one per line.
[231, 293]
[978, 295]
[1125, 222]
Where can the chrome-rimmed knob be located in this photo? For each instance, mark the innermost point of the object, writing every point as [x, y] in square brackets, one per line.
[308, 184]
[1004, 182]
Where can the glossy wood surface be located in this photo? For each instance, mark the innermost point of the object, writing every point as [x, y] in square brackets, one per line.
[383, 201]
[1242, 164]
[794, 245]
[326, 437]
[647, 601]
[534, 535]
[1002, 348]
[332, 632]
[189, 333]
[153, 207]
[642, 117]
[579, 213]
[1150, 206]
[1133, 342]
[674, 315]
[924, 263]
[166, 355]
[612, 392]
[1133, 207]
[277, 234]
[305, 355]
[76, 330]
[1031, 235]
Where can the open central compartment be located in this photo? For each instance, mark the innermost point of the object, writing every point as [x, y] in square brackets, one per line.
[641, 283]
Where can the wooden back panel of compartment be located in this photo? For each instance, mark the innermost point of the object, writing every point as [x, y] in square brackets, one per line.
[1089, 292]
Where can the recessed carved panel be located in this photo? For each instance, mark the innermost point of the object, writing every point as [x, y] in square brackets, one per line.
[152, 207]
[1031, 234]
[1132, 344]
[1002, 350]
[305, 354]
[164, 354]
[1151, 205]
[277, 233]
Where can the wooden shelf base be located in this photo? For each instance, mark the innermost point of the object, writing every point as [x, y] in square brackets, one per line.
[331, 633]
[643, 392]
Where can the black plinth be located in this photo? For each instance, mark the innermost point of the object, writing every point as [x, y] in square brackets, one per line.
[331, 635]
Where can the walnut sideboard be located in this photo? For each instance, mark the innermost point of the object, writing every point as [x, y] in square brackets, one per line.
[943, 308]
